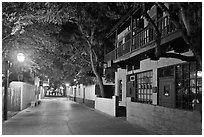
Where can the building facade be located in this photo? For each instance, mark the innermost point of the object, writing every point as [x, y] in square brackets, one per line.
[162, 94]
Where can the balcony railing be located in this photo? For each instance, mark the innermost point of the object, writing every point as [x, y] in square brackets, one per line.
[142, 38]
[110, 56]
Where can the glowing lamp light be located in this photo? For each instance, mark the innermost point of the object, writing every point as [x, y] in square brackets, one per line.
[61, 87]
[199, 73]
[20, 57]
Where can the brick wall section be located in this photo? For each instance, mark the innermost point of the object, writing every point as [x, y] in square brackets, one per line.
[79, 100]
[87, 102]
[164, 120]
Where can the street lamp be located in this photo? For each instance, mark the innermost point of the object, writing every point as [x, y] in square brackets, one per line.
[20, 57]
[7, 65]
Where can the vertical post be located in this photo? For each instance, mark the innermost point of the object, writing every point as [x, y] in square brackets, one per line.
[116, 44]
[131, 31]
[116, 106]
[6, 88]
[84, 95]
[74, 94]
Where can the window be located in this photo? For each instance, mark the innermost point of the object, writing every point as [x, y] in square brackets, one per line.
[127, 37]
[144, 87]
[188, 85]
[120, 43]
[166, 71]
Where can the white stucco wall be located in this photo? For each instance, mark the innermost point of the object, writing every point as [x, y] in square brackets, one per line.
[27, 93]
[106, 105]
[121, 75]
[89, 91]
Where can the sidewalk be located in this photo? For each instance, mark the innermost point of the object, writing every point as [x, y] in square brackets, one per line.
[60, 116]
[10, 114]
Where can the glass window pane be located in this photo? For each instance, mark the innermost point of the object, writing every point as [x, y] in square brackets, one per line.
[166, 90]
[150, 97]
[199, 74]
[142, 80]
[147, 97]
[199, 89]
[199, 82]
[144, 74]
[151, 73]
[144, 86]
[179, 84]
[186, 67]
[160, 72]
[193, 66]
[139, 96]
[192, 82]
[179, 72]
[186, 83]
[150, 91]
[193, 74]
[193, 91]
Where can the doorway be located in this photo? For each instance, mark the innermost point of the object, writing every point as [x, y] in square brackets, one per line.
[167, 92]
[120, 90]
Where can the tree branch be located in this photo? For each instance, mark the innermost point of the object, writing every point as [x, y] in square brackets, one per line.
[178, 56]
[158, 33]
[177, 24]
[184, 28]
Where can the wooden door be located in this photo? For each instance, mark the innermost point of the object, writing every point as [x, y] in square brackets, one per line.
[167, 92]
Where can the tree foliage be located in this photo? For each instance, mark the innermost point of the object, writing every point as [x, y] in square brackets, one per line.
[187, 17]
[62, 38]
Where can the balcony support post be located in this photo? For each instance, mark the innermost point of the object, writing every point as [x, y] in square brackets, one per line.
[131, 30]
[116, 43]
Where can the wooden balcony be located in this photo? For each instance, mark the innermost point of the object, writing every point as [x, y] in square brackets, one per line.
[144, 40]
[110, 56]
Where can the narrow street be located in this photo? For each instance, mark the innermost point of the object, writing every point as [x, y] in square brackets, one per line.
[60, 116]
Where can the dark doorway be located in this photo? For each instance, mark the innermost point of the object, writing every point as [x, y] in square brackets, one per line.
[167, 92]
[120, 90]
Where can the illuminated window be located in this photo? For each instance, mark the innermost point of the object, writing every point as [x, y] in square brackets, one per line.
[144, 87]
[188, 85]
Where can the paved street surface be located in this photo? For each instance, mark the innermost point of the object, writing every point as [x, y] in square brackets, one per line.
[60, 116]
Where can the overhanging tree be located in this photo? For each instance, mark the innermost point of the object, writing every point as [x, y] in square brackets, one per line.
[92, 21]
[187, 18]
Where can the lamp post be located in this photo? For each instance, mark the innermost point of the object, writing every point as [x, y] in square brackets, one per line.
[7, 65]
[20, 58]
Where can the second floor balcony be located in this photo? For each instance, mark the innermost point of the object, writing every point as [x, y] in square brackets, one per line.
[143, 40]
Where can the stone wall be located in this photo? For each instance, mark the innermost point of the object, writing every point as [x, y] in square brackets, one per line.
[164, 120]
